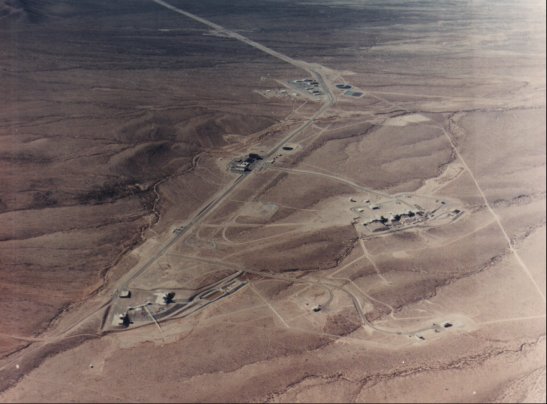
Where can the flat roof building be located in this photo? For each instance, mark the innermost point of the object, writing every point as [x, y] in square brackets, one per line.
[120, 320]
[125, 294]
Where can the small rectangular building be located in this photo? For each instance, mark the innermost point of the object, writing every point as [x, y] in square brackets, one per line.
[125, 294]
[120, 320]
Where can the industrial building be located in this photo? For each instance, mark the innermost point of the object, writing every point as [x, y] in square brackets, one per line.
[120, 320]
[309, 85]
[125, 294]
[163, 298]
[244, 165]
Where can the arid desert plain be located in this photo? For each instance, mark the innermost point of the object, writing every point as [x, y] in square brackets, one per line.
[272, 201]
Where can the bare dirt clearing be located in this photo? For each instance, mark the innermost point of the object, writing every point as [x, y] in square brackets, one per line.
[381, 247]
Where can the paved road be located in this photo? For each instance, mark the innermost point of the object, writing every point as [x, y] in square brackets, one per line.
[235, 35]
[329, 100]
[205, 210]
[212, 204]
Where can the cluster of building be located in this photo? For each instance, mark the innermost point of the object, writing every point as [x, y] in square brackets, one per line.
[384, 223]
[381, 217]
[404, 212]
[123, 319]
[310, 85]
[246, 164]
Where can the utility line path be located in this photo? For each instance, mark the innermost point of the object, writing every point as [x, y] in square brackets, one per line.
[235, 35]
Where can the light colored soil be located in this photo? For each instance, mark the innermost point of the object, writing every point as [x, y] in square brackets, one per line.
[451, 111]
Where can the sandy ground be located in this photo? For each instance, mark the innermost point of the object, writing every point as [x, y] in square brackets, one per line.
[452, 122]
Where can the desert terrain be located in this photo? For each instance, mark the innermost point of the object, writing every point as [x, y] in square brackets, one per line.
[272, 201]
